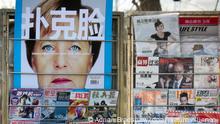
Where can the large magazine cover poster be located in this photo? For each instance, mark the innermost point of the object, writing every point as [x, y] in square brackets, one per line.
[206, 100]
[150, 105]
[25, 104]
[206, 68]
[105, 105]
[179, 73]
[57, 40]
[147, 69]
[201, 33]
[155, 28]
[181, 99]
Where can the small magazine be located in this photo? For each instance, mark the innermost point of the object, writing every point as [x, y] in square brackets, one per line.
[25, 104]
[150, 105]
[147, 67]
[181, 100]
[206, 99]
[201, 33]
[50, 98]
[77, 110]
[63, 102]
[104, 102]
[207, 68]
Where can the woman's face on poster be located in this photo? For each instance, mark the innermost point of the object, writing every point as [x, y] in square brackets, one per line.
[61, 57]
[160, 28]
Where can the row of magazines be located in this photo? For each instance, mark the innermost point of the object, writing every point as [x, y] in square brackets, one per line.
[176, 105]
[61, 106]
[170, 34]
[200, 71]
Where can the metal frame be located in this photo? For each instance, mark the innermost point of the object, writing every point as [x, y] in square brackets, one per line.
[117, 69]
[132, 41]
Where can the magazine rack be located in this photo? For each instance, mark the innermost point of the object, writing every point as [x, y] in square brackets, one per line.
[7, 71]
[122, 66]
[135, 101]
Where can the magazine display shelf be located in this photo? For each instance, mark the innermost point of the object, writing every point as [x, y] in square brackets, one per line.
[136, 102]
[117, 62]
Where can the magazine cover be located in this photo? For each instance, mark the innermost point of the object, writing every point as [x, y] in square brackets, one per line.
[181, 99]
[147, 67]
[65, 23]
[105, 102]
[77, 110]
[151, 28]
[149, 105]
[177, 117]
[206, 99]
[209, 65]
[201, 33]
[24, 104]
[62, 101]
[49, 100]
[183, 66]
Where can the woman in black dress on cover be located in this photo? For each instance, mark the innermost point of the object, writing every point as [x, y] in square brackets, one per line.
[161, 35]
